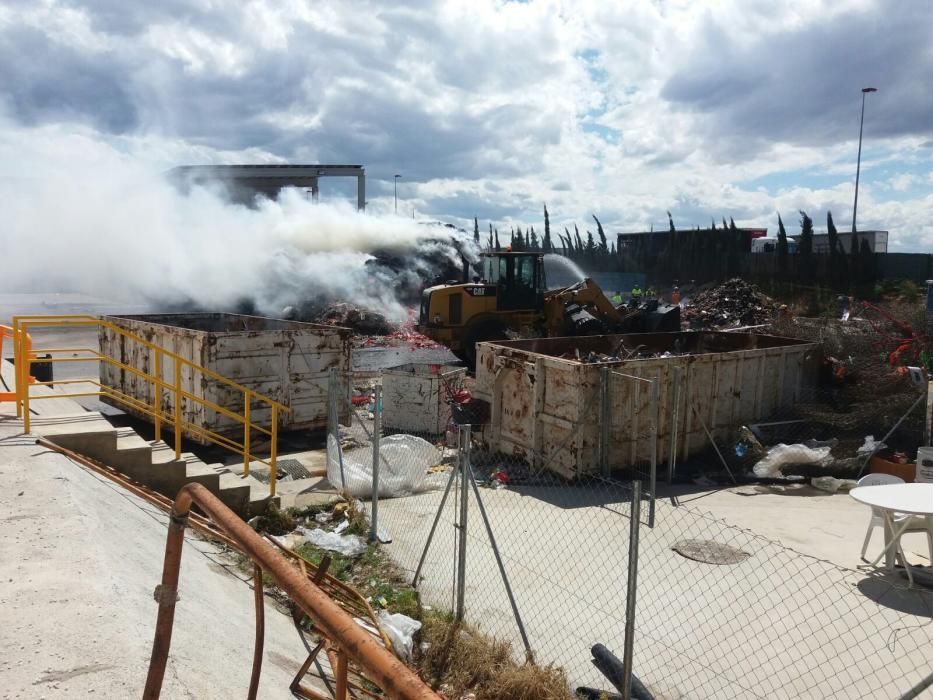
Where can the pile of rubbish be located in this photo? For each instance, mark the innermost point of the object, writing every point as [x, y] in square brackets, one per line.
[404, 334]
[360, 321]
[734, 304]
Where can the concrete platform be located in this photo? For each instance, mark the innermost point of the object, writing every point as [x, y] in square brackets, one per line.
[798, 619]
[79, 560]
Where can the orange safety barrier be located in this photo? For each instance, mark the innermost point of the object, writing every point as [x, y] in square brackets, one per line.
[8, 332]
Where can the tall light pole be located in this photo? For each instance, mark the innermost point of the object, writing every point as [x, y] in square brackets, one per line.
[396, 193]
[858, 164]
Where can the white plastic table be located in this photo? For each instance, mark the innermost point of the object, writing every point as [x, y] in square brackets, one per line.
[909, 499]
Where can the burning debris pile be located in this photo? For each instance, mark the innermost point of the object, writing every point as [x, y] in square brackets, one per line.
[732, 304]
[360, 321]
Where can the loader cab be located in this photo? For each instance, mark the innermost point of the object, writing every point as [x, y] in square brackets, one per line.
[519, 279]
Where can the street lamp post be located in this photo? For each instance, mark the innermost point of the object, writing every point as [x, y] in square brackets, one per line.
[858, 164]
[396, 193]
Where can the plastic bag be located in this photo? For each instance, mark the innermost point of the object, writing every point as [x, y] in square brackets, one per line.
[870, 446]
[404, 463]
[831, 484]
[782, 455]
[400, 629]
[349, 545]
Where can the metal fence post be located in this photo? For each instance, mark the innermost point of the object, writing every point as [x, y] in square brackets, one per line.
[465, 441]
[630, 593]
[334, 420]
[377, 434]
[655, 420]
[604, 414]
[675, 420]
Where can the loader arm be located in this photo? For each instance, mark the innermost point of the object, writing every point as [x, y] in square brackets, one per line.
[585, 298]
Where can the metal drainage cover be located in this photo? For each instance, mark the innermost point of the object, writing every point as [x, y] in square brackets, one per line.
[710, 552]
[291, 468]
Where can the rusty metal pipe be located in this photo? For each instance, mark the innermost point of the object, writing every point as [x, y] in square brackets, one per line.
[380, 666]
[260, 632]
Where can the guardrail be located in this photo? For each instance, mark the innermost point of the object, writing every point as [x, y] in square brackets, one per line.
[350, 640]
[8, 332]
[25, 355]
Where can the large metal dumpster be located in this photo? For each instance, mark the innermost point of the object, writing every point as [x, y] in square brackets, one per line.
[287, 361]
[551, 410]
[415, 397]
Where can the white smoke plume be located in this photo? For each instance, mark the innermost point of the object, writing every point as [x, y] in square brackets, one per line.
[82, 216]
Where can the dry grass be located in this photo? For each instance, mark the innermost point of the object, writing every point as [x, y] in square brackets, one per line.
[459, 660]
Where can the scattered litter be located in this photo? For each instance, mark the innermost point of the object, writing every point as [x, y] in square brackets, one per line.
[781, 455]
[870, 446]
[349, 545]
[400, 630]
[816, 444]
[289, 541]
[323, 517]
[404, 464]
[831, 484]
[344, 524]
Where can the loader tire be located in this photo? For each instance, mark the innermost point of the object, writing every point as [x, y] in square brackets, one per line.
[480, 332]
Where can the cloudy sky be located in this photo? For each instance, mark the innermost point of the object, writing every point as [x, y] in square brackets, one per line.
[740, 108]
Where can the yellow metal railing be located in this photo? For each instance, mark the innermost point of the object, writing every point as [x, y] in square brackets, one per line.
[8, 332]
[25, 355]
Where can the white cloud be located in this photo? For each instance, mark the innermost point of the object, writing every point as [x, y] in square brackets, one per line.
[739, 108]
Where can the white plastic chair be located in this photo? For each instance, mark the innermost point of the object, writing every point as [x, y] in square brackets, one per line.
[918, 523]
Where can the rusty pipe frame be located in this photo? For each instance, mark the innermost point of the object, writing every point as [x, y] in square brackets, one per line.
[379, 664]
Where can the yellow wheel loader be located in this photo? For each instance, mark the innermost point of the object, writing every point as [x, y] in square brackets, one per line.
[512, 296]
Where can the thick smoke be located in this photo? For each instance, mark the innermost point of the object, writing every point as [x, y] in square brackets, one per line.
[88, 218]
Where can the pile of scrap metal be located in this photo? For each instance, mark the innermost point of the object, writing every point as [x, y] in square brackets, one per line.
[732, 304]
[621, 353]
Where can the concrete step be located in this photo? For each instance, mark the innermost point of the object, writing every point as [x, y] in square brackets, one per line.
[234, 491]
[88, 433]
[132, 455]
[152, 463]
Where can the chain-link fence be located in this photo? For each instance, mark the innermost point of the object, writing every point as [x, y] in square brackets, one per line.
[525, 529]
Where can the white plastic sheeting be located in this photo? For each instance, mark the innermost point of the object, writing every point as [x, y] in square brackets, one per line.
[403, 466]
[782, 455]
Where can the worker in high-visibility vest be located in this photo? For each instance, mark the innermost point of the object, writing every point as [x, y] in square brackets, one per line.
[616, 299]
[636, 295]
[651, 293]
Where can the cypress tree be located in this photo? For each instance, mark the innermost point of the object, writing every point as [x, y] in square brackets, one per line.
[548, 247]
[806, 237]
[533, 244]
[475, 230]
[603, 244]
[498, 247]
[576, 231]
[490, 235]
[782, 248]
[832, 235]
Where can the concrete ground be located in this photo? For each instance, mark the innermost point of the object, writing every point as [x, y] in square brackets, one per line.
[781, 624]
[79, 561]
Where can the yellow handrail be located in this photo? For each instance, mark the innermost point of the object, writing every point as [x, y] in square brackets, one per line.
[23, 349]
[8, 332]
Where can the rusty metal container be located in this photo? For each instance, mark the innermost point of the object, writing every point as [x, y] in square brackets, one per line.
[287, 361]
[415, 397]
[550, 409]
